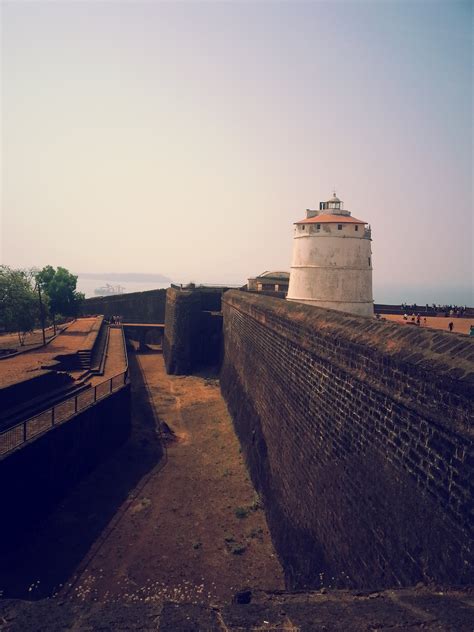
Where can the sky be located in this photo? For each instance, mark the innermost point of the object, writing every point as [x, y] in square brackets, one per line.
[185, 138]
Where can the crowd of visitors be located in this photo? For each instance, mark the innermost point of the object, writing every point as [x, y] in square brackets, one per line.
[114, 320]
[414, 318]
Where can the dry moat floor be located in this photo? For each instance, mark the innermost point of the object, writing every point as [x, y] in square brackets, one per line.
[162, 540]
[149, 526]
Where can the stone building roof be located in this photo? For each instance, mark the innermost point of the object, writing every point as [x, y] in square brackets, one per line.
[326, 218]
[275, 275]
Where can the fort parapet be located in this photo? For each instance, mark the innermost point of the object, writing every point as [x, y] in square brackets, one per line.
[357, 434]
[137, 307]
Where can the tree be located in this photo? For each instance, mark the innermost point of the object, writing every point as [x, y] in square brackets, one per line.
[60, 287]
[18, 302]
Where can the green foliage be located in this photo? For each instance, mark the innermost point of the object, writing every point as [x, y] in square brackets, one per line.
[241, 512]
[256, 533]
[19, 308]
[257, 503]
[60, 287]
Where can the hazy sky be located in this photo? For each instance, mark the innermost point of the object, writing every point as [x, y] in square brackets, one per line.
[186, 137]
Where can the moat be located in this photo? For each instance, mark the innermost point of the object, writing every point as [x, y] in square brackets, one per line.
[183, 523]
[249, 464]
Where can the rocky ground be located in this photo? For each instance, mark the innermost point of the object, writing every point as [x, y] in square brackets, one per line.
[410, 610]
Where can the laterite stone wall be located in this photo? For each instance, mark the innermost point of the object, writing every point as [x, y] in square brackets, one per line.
[357, 434]
[136, 307]
[181, 330]
[193, 329]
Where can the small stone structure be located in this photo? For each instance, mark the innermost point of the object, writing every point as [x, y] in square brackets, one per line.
[269, 282]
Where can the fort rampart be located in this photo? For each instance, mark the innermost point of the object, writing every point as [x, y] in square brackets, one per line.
[193, 329]
[357, 435]
[136, 307]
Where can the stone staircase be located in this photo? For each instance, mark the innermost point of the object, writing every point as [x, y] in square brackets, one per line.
[84, 358]
[89, 358]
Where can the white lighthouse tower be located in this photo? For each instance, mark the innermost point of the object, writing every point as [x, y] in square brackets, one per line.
[332, 260]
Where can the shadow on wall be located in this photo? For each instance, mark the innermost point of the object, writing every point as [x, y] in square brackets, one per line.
[357, 434]
[192, 339]
[51, 552]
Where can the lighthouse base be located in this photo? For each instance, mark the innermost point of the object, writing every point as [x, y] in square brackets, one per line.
[361, 309]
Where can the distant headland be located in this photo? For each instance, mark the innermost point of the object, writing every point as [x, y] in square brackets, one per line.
[136, 277]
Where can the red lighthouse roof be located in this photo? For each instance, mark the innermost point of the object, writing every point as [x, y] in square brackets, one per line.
[331, 219]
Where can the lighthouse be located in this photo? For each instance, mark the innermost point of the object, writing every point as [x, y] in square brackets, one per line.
[332, 260]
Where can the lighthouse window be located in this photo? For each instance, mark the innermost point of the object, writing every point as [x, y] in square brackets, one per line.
[318, 226]
[356, 227]
[303, 227]
[339, 227]
[369, 261]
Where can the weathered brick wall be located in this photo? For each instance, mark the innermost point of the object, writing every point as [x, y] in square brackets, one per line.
[357, 434]
[193, 329]
[136, 307]
[181, 330]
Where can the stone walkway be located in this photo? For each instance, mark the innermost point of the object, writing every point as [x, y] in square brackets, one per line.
[115, 362]
[461, 325]
[27, 365]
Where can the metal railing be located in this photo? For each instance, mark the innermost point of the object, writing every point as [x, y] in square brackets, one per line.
[24, 431]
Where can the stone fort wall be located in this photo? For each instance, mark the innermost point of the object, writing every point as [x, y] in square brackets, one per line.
[136, 307]
[39, 473]
[357, 435]
[181, 330]
[193, 329]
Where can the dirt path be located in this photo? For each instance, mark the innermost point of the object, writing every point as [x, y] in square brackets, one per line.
[32, 339]
[27, 365]
[196, 531]
[143, 528]
[460, 325]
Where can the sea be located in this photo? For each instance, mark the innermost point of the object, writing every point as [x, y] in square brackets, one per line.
[383, 293]
[89, 285]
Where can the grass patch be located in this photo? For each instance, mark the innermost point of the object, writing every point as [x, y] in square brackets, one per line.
[256, 533]
[241, 512]
[256, 504]
[238, 549]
